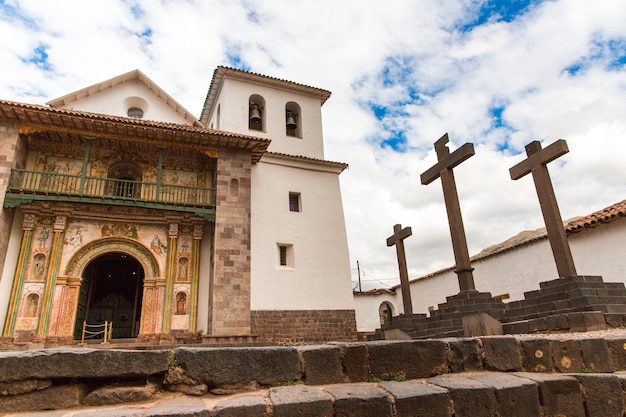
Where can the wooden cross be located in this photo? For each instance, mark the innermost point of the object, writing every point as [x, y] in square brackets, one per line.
[399, 234]
[443, 168]
[536, 164]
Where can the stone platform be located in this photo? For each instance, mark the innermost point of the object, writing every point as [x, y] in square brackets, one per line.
[579, 303]
[578, 374]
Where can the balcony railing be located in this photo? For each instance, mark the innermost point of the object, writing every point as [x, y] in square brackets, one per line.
[109, 189]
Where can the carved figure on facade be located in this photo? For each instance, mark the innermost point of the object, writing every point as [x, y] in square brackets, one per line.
[183, 269]
[32, 304]
[39, 267]
[181, 303]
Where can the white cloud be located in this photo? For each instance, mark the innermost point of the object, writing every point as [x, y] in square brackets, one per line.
[408, 57]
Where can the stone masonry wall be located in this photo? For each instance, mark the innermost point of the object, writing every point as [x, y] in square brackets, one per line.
[288, 327]
[550, 375]
[229, 303]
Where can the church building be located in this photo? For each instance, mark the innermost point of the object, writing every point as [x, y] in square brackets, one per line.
[119, 206]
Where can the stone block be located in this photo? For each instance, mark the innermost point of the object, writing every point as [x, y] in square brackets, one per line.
[502, 354]
[516, 396]
[300, 401]
[537, 325]
[587, 321]
[560, 394]
[418, 398]
[179, 407]
[603, 395]
[53, 398]
[537, 355]
[481, 324]
[617, 350]
[465, 355]
[557, 322]
[81, 363]
[321, 364]
[567, 356]
[219, 367]
[412, 359]
[119, 395]
[356, 400]
[396, 334]
[470, 398]
[354, 361]
[241, 406]
[516, 327]
[614, 320]
[596, 356]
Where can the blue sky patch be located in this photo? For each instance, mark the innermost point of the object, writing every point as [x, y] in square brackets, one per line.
[12, 14]
[39, 57]
[491, 11]
[611, 54]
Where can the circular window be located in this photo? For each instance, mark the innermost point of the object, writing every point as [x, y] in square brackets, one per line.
[135, 112]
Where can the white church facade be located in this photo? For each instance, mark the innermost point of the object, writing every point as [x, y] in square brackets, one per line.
[511, 268]
[119, 206]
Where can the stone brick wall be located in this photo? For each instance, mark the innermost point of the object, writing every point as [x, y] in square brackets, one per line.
[290, 327]
[229, 301]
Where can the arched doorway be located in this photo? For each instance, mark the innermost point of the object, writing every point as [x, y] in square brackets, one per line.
[111, 291]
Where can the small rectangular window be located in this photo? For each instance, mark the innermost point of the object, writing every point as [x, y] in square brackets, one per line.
[285, 255]
[294, 202]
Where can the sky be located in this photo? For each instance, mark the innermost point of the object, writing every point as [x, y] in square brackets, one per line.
[498, 74]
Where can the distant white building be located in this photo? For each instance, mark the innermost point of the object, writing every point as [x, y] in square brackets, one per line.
[510, 268]
[118, 205]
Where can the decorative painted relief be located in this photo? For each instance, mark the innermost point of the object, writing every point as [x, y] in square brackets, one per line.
[119, 229]
[157, 246]
[58, 164]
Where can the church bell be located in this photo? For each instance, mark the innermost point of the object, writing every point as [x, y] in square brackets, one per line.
[255, 115]
[291, 121]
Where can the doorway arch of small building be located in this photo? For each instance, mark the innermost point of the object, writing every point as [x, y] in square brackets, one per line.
[93, 250]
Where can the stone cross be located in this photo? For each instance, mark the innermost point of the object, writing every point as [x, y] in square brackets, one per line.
[536, 164]
[443, 168]
[399, 234]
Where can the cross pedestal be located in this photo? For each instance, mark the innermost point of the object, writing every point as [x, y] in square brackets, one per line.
[397, 239]
[443, 169]
[536, 164]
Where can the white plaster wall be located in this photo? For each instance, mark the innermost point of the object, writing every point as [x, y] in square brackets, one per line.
[8, 272]
[233, 102]
[366, 309]
[117, 100]
[320, 278]
[597, 251]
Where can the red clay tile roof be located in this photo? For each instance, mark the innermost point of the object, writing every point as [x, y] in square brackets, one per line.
[115, 126]
[605, 215]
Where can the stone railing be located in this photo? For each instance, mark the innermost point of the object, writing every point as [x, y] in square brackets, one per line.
[569, 375]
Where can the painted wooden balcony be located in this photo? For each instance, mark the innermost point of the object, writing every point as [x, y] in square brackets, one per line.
[26, 186]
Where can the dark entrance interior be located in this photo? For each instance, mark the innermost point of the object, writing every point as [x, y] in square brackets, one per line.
[111, 291]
